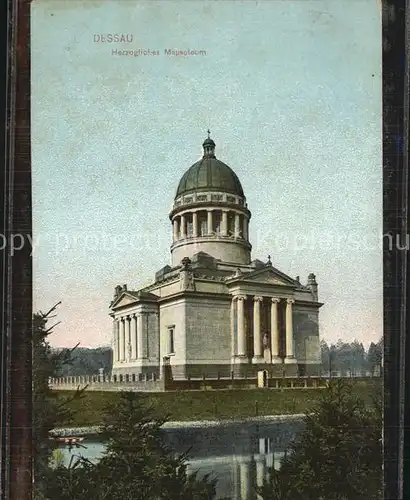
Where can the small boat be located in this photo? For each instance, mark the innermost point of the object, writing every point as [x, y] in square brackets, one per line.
[68, 440]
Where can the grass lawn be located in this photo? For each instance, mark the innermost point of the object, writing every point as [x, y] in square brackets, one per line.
[211, 405]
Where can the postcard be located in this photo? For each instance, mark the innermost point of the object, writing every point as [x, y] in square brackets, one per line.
[207, 248]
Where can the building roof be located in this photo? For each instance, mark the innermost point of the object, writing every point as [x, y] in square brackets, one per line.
[138, 295]
[209, 174]
[142, 295]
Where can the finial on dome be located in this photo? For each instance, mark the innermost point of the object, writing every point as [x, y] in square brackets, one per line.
[269, 263]
[209, 146]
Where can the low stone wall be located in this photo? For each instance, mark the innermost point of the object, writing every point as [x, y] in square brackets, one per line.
[103, 379]
[151, 384]
[102, 383]
[246, 383]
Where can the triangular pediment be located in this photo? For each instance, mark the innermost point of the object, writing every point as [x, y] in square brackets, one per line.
[266, 276]
[127, 298]
[123, 300]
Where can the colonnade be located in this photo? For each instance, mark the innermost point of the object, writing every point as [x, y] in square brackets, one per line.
[239, 337]
[196, 217]
[131, 337]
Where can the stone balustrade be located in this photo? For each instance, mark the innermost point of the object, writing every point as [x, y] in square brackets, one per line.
[92, 379]
[150, 383]
[143, 382]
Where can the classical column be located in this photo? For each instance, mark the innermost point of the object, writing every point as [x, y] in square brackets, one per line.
[274, 330]
[289, 332]
[118, 340]
[195, 224]
[127, 338]
[115, 340]
[237, 228]
[121, 343]
[260, 472]
[140, 336]
[175, 227]
[147, 352]
[209, 222]
[156, 333]
[182, 227]
[133, 332]
[245, 228]
[143, 335]
[224, 222]
[233, 327]
[257, 340]
[241, 325]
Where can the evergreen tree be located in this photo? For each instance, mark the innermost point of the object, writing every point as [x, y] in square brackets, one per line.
[325, 353]
[136, 465]
[375, 356]
[338, 455]
[358, 362]
[49, 410]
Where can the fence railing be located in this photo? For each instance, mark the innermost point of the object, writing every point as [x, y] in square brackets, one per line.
[103, 379]
[150, 380]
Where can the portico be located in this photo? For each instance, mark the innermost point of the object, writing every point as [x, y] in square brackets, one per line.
[130, 337]
[258, 339]
[134, 332]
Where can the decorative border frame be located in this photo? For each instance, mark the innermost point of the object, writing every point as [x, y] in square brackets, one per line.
[16, 270]
[16, 267]
[395, 37]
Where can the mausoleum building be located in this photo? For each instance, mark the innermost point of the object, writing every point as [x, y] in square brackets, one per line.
[214, 311]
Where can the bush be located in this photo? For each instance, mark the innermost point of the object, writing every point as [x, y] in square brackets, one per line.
[338, 455]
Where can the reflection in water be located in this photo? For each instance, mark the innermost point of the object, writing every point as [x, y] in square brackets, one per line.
[239, 455]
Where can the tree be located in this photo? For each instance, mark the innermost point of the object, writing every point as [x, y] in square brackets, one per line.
[49, 410]
[350, 357]
[325, 352]
[136, 464]
[374, 356]
[358, 355]
[338, 455]
[87, 361]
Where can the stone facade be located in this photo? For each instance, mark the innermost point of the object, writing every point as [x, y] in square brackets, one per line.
[214, 311]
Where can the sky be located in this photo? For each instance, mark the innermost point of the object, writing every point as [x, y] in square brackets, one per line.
[291, 91]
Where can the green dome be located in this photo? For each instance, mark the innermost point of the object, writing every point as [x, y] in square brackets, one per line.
[209, 174]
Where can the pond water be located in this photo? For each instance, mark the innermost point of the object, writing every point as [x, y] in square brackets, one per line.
[237, 454]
